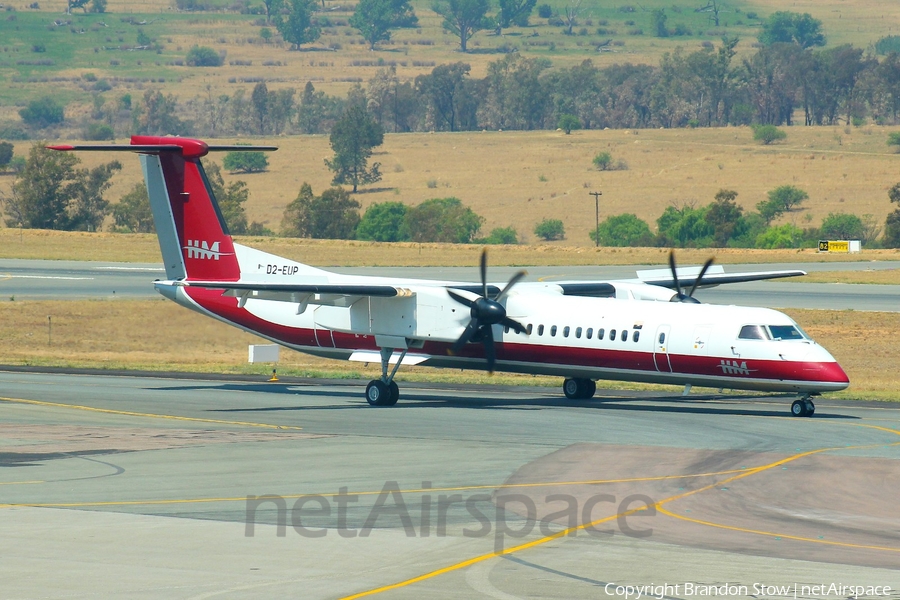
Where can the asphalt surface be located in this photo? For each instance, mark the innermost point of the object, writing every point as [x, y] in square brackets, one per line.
[38, 279]
[132, 487]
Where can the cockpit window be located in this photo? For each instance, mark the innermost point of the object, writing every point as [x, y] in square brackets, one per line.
[753, 332]
[785, 332]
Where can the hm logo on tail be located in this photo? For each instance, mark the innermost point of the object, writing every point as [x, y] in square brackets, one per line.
[203, 250]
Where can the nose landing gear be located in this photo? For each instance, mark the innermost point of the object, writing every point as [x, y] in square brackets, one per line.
[803, 407]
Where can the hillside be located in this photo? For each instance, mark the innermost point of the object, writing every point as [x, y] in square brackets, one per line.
[519, 178]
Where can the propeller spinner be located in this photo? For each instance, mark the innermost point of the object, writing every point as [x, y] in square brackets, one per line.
[486, 312]
[680, 296]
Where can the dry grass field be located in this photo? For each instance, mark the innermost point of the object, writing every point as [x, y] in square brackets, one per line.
[65, 245]
[519, 178]
[115, 334]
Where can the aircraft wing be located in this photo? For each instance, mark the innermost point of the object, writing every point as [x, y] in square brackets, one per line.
[663, 277]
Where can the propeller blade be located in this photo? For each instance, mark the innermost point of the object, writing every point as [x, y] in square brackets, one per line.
[484, 293]
[674, 272]
[513, 324]
[513, 281]
[706, 265]
[460, 298]
[467, 335]
[489, 352]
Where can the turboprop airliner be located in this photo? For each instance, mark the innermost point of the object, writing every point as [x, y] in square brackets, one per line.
[649, 329]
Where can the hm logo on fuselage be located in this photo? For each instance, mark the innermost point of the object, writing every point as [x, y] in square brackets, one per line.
[203, 250]
[733, 367]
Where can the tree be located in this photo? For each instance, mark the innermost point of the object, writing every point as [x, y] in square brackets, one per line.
[230, 198]
[442, 220]
[352, 139]
[376, 18]
[246, 162]
[132, 214]
[790, 27]
[842, 226]
[724, 216]
[500, 235]
[70, 4]
[50, 193]
[623, 230]
[603, 161]
[571, 13]
[449, 97]
[569, 122]
[89, 207]
[894, 140]
[6, 154]
[768, 134]
[272, 6]
[659, 23]
[298, 28]
[259, 100]
[203, 56]
[785, 198]
[463, 18]
[782, 236]
[685, 227]
[43, 112]
[333, 215]
[384, 222]
[155, 115]
[515, 12]
[550, 229]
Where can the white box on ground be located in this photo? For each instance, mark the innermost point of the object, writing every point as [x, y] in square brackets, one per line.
[263, 353]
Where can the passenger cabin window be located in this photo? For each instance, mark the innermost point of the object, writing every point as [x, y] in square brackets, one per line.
[578, 332]
[753, 332]
[624, 335]
[589, 332]
[785, 332]
[566, 331]
[528, 329]
[600, 333]
[553, 331]
[612, 335]
[636, 336]
[540, 330]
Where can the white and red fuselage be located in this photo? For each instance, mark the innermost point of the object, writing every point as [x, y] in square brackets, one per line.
[616, 330]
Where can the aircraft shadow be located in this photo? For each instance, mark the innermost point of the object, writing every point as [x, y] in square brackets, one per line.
[701, 405]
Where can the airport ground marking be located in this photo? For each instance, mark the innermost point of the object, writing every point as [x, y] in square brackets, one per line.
[570, 530]
[775, 535]
[460, 488]
[129, 413]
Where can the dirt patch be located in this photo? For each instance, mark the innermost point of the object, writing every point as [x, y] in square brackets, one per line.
[822, 507]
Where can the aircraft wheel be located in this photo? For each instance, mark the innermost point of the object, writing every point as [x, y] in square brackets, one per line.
[573, 388]
[590, 387]
[798, 408]
[395, 394]
[810, 408]
[378, 393]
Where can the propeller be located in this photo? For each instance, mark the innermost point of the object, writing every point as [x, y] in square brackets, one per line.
[680, 296]
[486, 312]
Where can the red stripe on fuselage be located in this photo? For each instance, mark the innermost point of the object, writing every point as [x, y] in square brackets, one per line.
[729, 371]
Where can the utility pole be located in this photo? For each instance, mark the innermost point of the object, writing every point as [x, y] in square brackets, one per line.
[596, 196]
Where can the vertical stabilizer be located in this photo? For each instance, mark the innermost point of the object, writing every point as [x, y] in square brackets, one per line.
[193, 235]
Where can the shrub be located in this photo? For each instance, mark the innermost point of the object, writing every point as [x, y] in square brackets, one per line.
[246, 162]
[894, 140]
[569, 122]
[442, 220]
[203, 56]
[842, 226]
[545, 11]
[99, 131]
[384, 222]
[6, 154]
[43, 112]
[603, 161]
[501, 235]
[767, 134]
[550, 229]
[623, 230]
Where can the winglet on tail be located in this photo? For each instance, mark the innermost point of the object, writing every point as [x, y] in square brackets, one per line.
[193, 235]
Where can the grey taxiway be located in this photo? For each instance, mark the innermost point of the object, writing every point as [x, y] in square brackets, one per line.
[185, 486]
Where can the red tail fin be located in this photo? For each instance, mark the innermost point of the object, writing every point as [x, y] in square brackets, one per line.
[183, 203]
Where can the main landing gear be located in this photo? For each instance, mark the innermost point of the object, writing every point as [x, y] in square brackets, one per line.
[579, 389]
[803, 407]
[384, 391]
